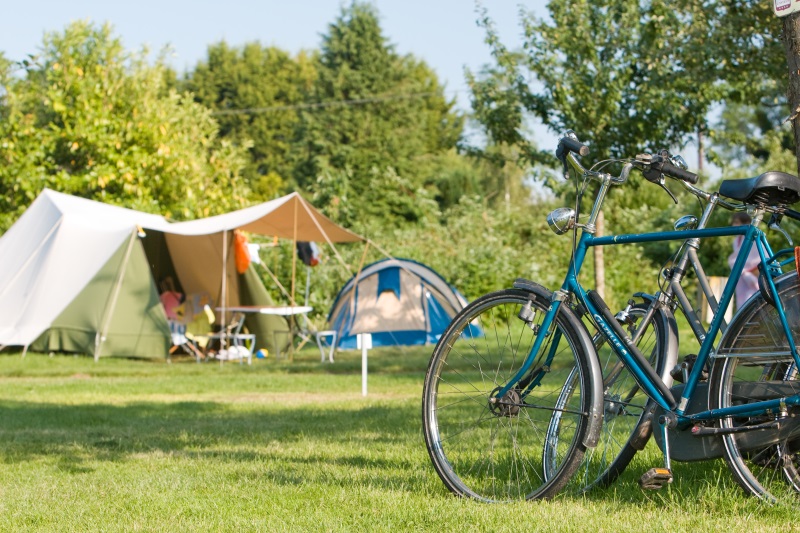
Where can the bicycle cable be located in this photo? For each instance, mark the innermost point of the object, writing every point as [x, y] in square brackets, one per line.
[579, 193]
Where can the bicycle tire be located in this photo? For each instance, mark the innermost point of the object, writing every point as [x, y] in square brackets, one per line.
[495, 453]
[627, 410]
[753, 363]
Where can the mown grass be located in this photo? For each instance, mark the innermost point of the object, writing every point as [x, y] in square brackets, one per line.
[283, 446]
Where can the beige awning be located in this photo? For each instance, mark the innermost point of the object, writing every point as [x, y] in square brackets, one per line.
[288, 217]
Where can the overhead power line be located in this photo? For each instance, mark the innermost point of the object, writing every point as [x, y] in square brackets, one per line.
[335, 103]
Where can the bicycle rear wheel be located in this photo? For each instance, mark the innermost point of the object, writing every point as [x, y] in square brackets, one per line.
[496, 451]
[754, 363]
[627, 410]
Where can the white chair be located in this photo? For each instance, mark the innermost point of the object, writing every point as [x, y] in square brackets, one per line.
[238, 345]
[321, 336]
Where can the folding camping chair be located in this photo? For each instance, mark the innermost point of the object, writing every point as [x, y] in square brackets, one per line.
[177, 317]
[181, 341]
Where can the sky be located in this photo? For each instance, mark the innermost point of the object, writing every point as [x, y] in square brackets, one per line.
[441, 32]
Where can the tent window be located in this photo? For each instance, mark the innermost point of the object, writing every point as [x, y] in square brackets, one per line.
[389, 280]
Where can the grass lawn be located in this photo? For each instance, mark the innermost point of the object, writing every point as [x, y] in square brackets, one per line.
[147, 446]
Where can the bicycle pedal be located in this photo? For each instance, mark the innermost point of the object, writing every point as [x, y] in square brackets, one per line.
[655, 478]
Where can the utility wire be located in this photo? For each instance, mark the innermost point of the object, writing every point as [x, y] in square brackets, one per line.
[337, 103]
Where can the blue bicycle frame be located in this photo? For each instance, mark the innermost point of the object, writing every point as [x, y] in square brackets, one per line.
[645, 376]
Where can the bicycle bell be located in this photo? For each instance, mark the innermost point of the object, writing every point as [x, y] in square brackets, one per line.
[561, 220]
[679, 162]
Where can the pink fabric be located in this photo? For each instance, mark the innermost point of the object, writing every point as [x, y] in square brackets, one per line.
[748, 282]
[171, 300]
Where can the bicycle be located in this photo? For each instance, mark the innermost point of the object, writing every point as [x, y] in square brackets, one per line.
[617, 446]
[509, 414]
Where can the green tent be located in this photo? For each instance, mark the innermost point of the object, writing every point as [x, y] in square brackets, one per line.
[118, 312]
[82, 276]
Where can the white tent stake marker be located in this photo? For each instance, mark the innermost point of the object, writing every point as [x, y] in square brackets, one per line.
[364, 341]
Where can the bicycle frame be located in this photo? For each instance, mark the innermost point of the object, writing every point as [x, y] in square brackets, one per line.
[688, 258]
[645, 376]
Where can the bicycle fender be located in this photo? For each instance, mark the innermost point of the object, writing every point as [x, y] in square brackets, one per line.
[749, 312]
[672, 351]
[595, 418]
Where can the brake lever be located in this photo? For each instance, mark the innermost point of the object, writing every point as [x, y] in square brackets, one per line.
[663, 186]
[775, 223]
[561, 154]
[653, 175]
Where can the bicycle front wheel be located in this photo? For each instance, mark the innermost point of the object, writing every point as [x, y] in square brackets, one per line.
[754, 364]
[498, 451]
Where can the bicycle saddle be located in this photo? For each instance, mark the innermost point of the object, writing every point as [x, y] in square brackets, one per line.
[770, 188]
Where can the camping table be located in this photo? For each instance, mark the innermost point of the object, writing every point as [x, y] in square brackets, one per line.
[285, 310]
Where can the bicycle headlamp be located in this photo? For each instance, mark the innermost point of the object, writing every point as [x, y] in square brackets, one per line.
[561, 220]
[686, 222]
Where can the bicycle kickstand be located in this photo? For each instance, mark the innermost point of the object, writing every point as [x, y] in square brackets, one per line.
[655, 478]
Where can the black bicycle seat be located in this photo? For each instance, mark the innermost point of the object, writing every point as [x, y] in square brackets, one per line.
[770, 188]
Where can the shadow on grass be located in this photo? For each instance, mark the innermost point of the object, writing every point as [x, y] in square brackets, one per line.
[378, 446]
[76, 433]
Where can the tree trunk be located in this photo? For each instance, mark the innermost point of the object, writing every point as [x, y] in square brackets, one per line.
[700, 150]
[791, 45]
[599, 261]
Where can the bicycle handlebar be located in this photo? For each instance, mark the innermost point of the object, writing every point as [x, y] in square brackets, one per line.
[653, 166]
[791, 213]
[678, 173]
[573, 145]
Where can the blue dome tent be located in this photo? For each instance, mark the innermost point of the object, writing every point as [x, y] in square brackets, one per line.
[399, 301]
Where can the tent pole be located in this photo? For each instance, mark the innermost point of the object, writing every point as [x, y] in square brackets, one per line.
[224, 305]
[308, 285]
[114, 297]
[293, 302]
[294, 252]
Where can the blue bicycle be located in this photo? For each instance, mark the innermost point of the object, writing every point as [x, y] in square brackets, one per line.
[515, 398]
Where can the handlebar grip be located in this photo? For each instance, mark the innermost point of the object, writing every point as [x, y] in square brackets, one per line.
[678, 173]
[791, 213]
[574, 146]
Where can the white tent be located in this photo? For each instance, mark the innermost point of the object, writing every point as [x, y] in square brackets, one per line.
[65, 249]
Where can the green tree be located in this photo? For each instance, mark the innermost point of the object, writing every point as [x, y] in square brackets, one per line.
[628, 75]
[374, 114]
[89, 119]
[746, 133]
[256, 93]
